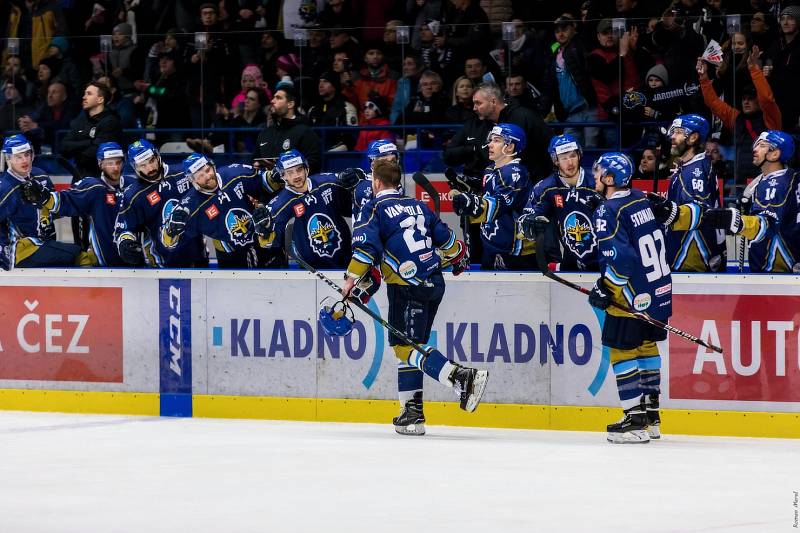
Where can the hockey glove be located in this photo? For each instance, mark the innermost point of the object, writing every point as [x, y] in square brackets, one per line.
[594, 201]
[665, 211]
[131, 251]
[462, 183]
[46, 229]
[461, 261]
[176, 224]
[349, 177]
[263, 221]
[367, 286]
[533, 225]
[599, 296]
[468, 204]
[35, 192]
[728, 219]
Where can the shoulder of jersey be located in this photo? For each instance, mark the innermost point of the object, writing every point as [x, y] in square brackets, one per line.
[37, 172]
[323, 178]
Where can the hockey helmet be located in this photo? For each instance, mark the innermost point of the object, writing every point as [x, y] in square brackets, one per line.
[16, 144]
[109, 150]
[290, 159]
[381, 148]
[511, 133]
[777, 140]
[690, 123]
[140, 152]
[336, 319]
[194, 163]
[562, 144]
[618, 165]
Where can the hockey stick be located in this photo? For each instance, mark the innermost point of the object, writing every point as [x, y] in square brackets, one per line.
[744, 203]
[421, 180]
[397, 333]
[453, 177]
[542, 262]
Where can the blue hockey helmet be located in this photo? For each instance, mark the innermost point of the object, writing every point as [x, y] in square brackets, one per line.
[290, 159]
[109, 150]
[777, 140]
[618, 165]
[336, 319]
[194, 163]
[511, 133]
[690, 123]
[381, 148]
[562, 144]
[140, 152]
[16, 144]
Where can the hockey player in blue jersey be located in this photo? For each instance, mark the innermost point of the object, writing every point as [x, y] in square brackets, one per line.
[97, 199]
[24, 243]
[218, 206]
[146, 206]
[411, 245]
[506, 190]
[380, 150]
[318, 204]
[567, 197]
[773, 223]
[636, 275]
[693, 181]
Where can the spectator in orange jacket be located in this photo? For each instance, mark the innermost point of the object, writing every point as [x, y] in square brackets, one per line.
[759, 113]
[375, 77]
[375, 111]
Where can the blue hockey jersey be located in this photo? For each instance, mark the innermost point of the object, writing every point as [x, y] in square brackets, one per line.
[402, 236]
[321, 235]
[363, 194]
[224, 215]
[505, 192]
[20, 234]
[145, 208]
[698, 250]
[98, 200]
[567, 206]
[633, 254]
[774, 223]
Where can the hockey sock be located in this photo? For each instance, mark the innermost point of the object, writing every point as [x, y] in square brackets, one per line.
[650, 369]
[628, 383]
[409, 381]
[434, 364]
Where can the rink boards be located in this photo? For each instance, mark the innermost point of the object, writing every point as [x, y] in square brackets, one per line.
[247, 345]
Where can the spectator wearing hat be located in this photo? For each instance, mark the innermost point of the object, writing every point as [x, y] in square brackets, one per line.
[412, 68]
[759, 112]
[287, 131]
[55, 114]
[169, 94]
[785, 71]
[375, 76]
[92, 127]
[126, 60]
[612, 70]
[333, 110]
[251, 79]
[67, 71]
[287, 69]
[375, 109]
[46, 71]
[570, 84]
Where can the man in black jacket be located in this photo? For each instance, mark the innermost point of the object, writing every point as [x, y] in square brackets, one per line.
[288, 131]
[333, 110]
[93, 127]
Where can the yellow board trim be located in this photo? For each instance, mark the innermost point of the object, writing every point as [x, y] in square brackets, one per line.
[512, 416]
[60, 401]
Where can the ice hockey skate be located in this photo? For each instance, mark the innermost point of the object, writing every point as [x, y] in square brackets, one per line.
[411, 420]
[632, 429]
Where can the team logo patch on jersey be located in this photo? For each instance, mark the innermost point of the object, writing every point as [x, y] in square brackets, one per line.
[558, 200]
[407, 269]
[299, 209]
[578, 234]
[323, 236]
[169, 206]
[642, 301]
[240, 226]
[111, 199]
[212, 211]
[154, 198]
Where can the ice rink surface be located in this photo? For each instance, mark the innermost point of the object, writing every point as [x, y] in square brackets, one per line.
[88, 473]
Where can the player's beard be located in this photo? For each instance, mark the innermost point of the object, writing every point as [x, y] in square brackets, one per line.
[679, 149]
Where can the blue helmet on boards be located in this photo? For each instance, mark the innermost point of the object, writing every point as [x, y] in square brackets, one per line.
[691, 123]
[16, 144]
[381, 148]
[618, 165]
[562, 144]
[777, 140]
[109, 150]
[194, 163]
[337, 319]
[511, 133]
